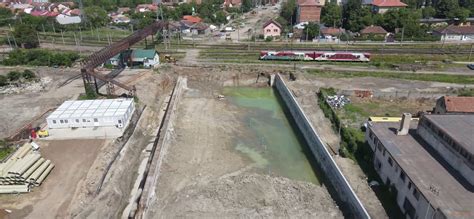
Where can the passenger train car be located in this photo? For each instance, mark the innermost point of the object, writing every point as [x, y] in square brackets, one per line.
[315, 56]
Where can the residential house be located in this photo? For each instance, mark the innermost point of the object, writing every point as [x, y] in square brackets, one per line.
[272, 29]
[309, 10]
[454, 105]
[232, 3]
[149, 58]
[455, 33]
[188, 27]
[64, 19]
[192, 19]
[120, 19]
[146, 8]
[374, 31]
[332, 33]
[426, 163]
[382, 6]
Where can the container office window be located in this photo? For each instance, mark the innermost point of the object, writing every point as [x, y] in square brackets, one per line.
[96, 120]
[83, 120]
[61, 121]
[77, 120]
[54, 121]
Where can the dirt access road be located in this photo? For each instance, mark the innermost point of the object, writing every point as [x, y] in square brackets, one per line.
[72, 159]
[202, 174]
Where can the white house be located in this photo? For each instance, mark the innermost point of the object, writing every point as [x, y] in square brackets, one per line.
[455, 33]
[149, 58]
[92, 113]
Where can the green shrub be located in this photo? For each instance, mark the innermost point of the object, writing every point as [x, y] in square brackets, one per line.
[28, 75]
[13, 76]
[3, 80]
[269, 39]
[40, 57]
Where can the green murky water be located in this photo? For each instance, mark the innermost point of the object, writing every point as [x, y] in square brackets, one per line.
[275, 147]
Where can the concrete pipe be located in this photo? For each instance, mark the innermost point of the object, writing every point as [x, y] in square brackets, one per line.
[32, 168]
[29, 163]
[5, 189]
[14, 168]
[25, 151]
[37, 173]
[44, 174]
[19, 151]
[7, 166]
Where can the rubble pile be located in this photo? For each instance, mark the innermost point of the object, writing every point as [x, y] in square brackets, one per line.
[337, 101]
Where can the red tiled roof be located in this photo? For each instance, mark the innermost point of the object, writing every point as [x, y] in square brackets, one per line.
[373, 30]
[452, 29]
[332, 31]
[310, 3]
[459, 104]
[192, 19]
[274, 22]
[388, 3]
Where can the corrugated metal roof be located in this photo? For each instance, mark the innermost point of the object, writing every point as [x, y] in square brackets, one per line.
[91, 108]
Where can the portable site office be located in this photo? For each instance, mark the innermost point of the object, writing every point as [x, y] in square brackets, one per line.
[92, 113]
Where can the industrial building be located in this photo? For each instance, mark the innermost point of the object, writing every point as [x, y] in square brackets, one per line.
[92, 113]
[428, 163]
[454, 105]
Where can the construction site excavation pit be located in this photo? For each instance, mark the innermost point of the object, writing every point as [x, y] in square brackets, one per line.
[237, 156]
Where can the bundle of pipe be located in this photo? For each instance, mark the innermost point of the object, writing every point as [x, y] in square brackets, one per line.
[25, 168]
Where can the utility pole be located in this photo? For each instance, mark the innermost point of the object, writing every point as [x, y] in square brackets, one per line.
[403, 34]
[62, 36]
[470, 52]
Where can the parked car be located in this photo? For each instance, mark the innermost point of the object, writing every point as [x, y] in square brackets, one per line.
[471, 66]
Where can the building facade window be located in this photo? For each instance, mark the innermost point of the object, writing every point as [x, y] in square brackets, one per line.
[77, 120]
[54, 121]
[409, 186]
[390, 161]
[416, 194]
[61, 121]
[402, 175]
[96, 120]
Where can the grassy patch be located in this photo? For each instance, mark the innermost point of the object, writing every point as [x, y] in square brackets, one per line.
[445, 78]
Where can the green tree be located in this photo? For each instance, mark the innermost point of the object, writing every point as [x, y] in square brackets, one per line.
[5, 16]
[26, 36]
[96, 15]
[428, 12]
[446, 8]
[288, 10]
[246, 5]
[331, 15]
[311, 30]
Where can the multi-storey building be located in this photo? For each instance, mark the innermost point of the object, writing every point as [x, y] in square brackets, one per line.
[428, 163]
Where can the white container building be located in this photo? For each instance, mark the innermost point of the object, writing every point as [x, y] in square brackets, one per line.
[92, 113]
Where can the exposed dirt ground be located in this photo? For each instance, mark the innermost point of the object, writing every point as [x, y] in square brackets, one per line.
[203, 176]
[73, 160]
[201, 164]
[18, 109]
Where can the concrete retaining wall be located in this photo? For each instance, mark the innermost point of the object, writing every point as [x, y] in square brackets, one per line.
[352, 205]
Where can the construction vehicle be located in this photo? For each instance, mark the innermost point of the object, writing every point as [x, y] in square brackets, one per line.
[42, 133]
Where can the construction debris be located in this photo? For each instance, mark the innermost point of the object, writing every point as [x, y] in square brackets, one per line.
[337, 101]
[23, 170]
